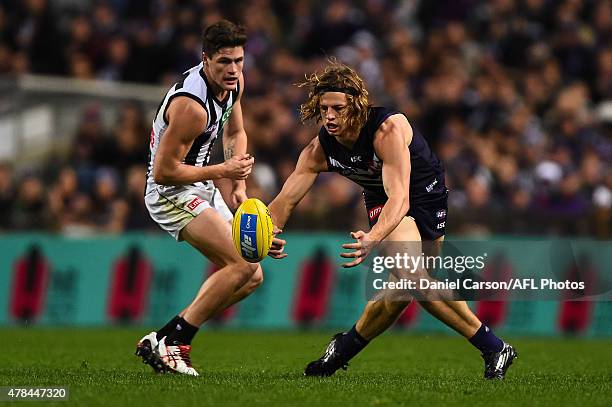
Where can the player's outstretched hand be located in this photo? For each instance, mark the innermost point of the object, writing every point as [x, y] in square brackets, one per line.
[361, 249]
[238, 167]
[278, 246]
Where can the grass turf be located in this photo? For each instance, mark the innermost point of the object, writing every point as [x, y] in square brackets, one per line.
[265, 368]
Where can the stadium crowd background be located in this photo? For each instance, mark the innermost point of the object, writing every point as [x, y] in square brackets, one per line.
[514, 96]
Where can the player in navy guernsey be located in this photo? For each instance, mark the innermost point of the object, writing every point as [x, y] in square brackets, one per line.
[360, 164]
[181, 196]
[405, 197]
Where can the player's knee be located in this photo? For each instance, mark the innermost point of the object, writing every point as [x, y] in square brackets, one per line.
[257, 278]
[246, 271]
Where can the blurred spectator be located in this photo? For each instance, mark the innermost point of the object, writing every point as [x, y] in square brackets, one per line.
[117, 65]
[30, 211]
[108, 211]
[137, 217]
[7, 195]
[63, 194]
[77, 220]
[38, 33]
[89, 148]
[335, 26]
[130, 145]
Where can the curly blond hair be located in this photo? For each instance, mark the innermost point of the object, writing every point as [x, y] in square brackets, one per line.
[336, 77]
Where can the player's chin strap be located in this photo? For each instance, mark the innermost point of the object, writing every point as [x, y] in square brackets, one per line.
[348, 91]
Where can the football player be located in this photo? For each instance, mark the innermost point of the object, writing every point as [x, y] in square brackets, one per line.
[405, 198]
[181, 196]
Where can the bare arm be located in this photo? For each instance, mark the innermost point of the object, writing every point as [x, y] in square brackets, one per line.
[186, 121]
[235, 137]
[391, 145]
[235, 144]
[309, 165]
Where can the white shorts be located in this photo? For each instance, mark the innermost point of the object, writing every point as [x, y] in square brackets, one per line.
[172, 208]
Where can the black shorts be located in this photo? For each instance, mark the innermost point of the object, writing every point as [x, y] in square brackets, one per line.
[430, 216]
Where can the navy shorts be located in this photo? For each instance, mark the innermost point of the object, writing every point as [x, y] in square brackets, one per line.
[430, 216]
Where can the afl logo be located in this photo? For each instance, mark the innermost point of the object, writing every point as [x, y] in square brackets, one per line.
[441, 213]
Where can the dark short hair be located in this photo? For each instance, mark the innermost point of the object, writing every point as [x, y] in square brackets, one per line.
[222, 34]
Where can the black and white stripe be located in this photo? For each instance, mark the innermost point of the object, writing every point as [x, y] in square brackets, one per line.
[193, 85]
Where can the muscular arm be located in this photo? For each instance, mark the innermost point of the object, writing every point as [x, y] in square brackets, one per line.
[186, 121]
[234, 136]
[391, 145]
[309, 165]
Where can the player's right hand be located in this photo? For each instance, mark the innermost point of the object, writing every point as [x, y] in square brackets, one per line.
[238, 167]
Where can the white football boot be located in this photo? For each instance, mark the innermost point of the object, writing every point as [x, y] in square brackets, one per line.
[176, 357]
[146, 348]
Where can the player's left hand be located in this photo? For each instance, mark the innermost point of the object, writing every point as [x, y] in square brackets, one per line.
[361, 249]
[237, 197]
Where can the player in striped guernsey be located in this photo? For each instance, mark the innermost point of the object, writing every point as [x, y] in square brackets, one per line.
[181, 196]
[405, 198]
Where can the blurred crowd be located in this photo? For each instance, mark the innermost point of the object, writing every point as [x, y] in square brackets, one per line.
[515, 96]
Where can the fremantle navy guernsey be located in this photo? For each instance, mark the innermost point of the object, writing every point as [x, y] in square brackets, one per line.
[361, 165]
[193, 85]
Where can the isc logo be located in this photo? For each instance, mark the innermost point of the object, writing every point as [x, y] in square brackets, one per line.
[248, 249]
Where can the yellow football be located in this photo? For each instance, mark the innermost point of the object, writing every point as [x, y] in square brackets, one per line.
[252, 230]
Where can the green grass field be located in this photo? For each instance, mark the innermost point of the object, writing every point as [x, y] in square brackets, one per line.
[265, 368]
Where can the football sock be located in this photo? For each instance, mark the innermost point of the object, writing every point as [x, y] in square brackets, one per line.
[168, 328]
[353, 343]
[182, 334]
[485, 340]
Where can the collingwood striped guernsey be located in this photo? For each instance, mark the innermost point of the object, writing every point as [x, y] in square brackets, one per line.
[193, 85]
